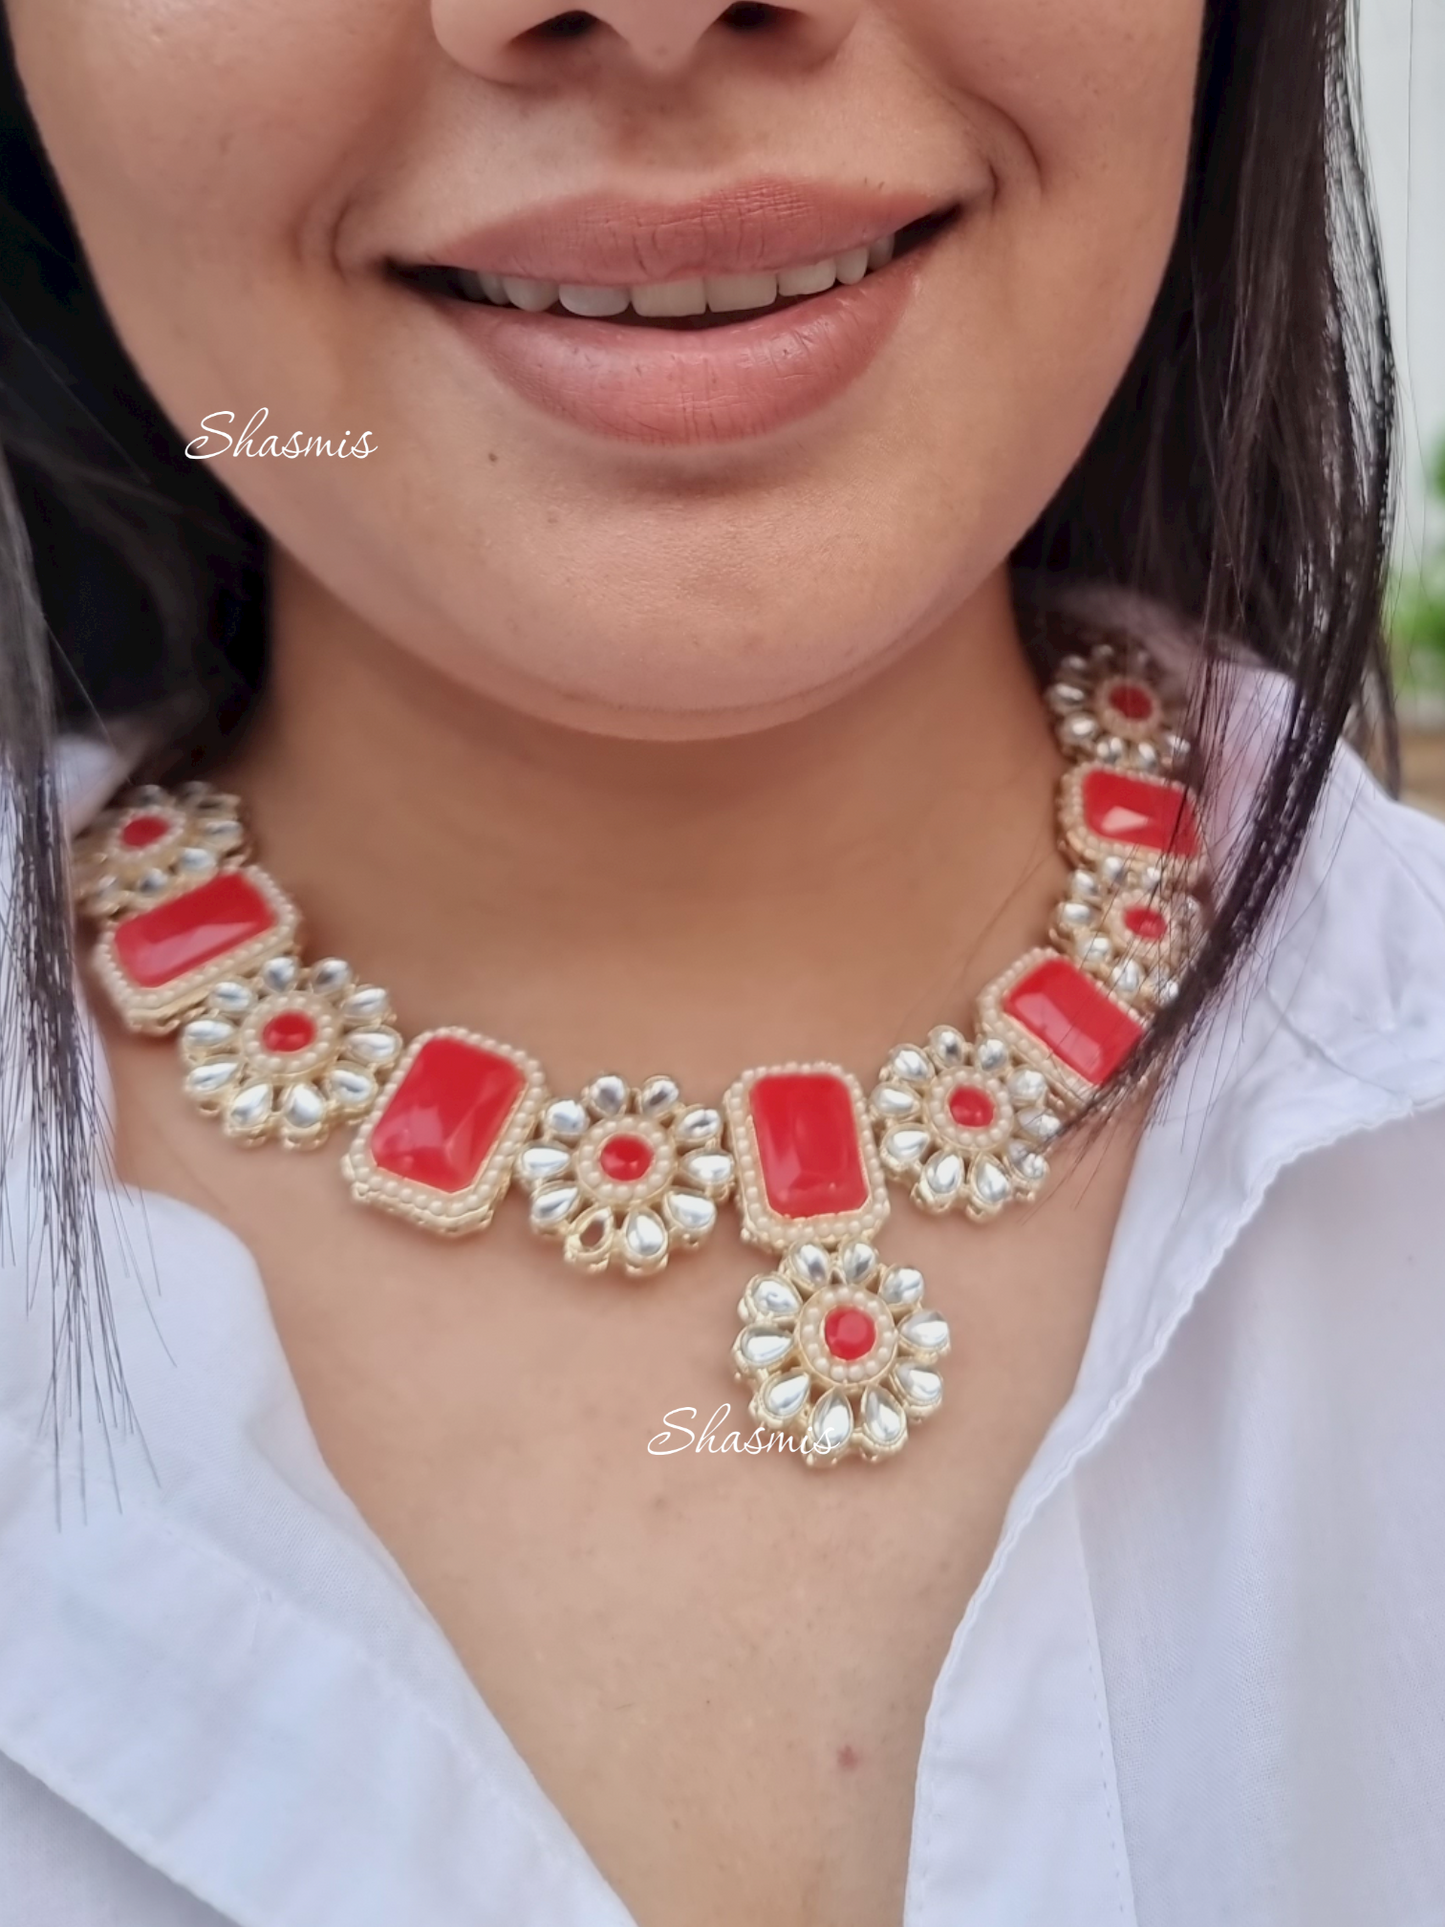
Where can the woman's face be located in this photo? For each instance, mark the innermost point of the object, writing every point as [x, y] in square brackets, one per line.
[620, 521]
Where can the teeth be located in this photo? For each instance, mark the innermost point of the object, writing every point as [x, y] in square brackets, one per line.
[852, 266]
[815, 280]
[671, 298]
[663, 300]
[731, 293]
[533, 296]
[595, 302]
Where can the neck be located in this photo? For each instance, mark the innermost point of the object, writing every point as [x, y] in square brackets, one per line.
[824, 888]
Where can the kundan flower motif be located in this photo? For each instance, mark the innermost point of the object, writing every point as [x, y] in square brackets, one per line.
[626, 1176]
[966, 1124]
[1115, 705]
[152, 845]
[1135, 940]
[842, 1350]
[290, 1053]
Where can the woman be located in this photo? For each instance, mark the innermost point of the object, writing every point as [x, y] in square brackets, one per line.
[588, 483]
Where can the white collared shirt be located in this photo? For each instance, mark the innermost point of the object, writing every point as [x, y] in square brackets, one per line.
[1202, 1683]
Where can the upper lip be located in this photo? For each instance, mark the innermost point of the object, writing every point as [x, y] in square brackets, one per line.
[603, 240]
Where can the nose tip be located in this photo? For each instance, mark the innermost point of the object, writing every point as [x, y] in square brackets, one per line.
[514, 40]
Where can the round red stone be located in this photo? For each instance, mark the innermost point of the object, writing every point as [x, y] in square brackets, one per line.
[1131, 699]
[970, 1108]
[1146, 923]
[849, 1333]
[625, 1158]
[142, 831]
[289, 1030]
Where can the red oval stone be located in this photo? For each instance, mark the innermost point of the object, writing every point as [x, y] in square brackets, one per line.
[288, 1030]
[1146, 923]
[625, 1158]
[970, 1108]
[1131, 699]
[444, 1119]
[142, 831]
[849, 1333]
[806, 1132]
[209, 922]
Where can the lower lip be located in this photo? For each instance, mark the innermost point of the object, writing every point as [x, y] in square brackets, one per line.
[678, 387]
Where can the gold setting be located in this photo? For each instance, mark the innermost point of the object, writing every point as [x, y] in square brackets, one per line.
[157, 1012]
[451, 1213]
[762, 1225]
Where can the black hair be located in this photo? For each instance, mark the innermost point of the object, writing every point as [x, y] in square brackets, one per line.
[1241, 476]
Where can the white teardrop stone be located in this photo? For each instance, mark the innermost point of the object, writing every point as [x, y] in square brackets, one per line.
[607, 1095]
[1026, 1161]
[926, 1331]
[232, 997]
[905, 1146]
[948, 1047]
[710, 1169]
[657, 1096]
[903, 1286]
[280, 974]
[698, 1126]
[691, 1214]
[195, 863]
[943, 1174]
[644, 1235]
[810, 1265]
[251, 1107]
[762, 1349]
[785, 1397]
[303, 1107]
[1028, 1087]
[352, 1090]
[1079, 728]
[207, 1033]
[330, 976]
[1126, 976]
[540, 1163]
[990, 1054]
[207, 1079]
[1076, 916]
[831, 1425]
[990, 1182]
[857, 1262]
[884, 1421]
[379, 1047]
[895, 1101]
[553, 1204]
[566, 1118]
[774, 1297]
[910, 1064]
[1042, 1126]
[921, 1387]
[1085, 885]
[1097, 949]
[369, 1005]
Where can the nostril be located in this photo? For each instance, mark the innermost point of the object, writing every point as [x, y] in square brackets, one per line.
[572, 25]
[748, 16]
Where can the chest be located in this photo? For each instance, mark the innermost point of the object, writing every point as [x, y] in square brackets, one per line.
[715, 1662]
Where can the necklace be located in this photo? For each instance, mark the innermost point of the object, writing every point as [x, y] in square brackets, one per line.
[839, 1346]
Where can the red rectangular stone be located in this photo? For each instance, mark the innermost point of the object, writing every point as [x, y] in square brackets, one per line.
[1138, 814]
[806, 1131]
[444, 1119]
[199, 927]
[1073, 1017]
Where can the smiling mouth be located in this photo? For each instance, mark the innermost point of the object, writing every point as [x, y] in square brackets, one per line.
[703, 302]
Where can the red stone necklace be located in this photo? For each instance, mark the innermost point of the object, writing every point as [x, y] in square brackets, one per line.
[838, 1345]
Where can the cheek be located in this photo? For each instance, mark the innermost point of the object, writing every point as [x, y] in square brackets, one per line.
[202, 144]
